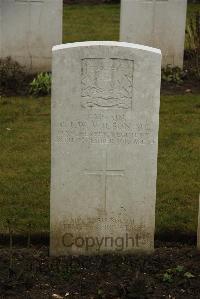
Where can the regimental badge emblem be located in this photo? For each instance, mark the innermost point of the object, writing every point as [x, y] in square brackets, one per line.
[107, 83]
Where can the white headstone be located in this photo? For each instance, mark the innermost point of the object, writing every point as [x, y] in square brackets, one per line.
[156, 23]
[105, 119]
[28, 31]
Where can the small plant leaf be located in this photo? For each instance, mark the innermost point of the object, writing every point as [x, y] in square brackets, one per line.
[167, 278]
[179, 268]
[189, 275]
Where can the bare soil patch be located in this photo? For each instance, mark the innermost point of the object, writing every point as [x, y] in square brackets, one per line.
[171, 272]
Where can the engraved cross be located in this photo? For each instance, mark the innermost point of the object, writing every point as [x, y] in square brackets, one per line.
[105, 172]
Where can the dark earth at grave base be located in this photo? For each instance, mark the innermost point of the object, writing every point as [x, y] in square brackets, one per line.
[171, 272]
[189, 86]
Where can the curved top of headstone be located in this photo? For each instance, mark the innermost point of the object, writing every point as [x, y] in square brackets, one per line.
[107, 44]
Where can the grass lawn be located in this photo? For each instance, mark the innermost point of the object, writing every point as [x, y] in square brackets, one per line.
[25, 143]
[91, 22]
[97, 22]
[25, 163]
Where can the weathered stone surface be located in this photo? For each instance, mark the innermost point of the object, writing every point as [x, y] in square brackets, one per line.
[28, 31]
[156, 23]
[105, 119]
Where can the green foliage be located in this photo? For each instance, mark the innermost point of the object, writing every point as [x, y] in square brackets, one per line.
[189, 275]
[12, 77]
[41, 85]
[167, 277]
[193, 37]
[173, 75]
[171, 274]
[179, 269]
[100, 293]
